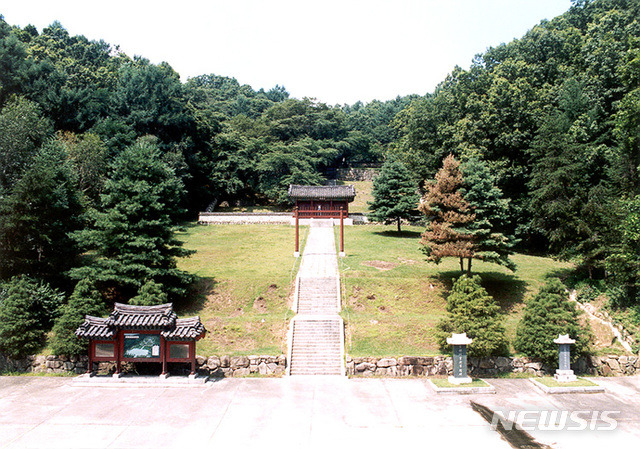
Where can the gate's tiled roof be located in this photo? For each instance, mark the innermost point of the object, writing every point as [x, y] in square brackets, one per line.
[142, 317]
[124, 316]
[185, 329]
[96, 328]
[297, 192]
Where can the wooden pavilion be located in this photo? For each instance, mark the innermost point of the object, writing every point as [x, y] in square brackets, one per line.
[142, 334]
[322, 201]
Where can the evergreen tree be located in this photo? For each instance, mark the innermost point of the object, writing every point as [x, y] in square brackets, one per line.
[133, 233]
[85, 300]
[473, 311]
[22, 331]
[548, 314]
[394, 194]
[491, 213]
[37, 218]
[150, 294]
[449, 214]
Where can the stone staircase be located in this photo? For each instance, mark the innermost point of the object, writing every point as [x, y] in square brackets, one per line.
[317, 346]
[318, 296]
[316, 334]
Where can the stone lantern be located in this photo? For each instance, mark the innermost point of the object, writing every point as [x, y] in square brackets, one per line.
[459, 343]
[564, 373]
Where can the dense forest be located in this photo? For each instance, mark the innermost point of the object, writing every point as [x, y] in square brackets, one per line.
[555, 115]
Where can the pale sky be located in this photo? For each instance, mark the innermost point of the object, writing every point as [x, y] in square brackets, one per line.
[337, 51]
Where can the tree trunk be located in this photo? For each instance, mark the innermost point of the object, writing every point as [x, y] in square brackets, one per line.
[469, 267]
[398, 225]
[461, 265]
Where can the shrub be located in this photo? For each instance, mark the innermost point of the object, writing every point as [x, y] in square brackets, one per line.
[85, 300]
[150, 294]
[546, 315]
[26, 312]
[473, 311]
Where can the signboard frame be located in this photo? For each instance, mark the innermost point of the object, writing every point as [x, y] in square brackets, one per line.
[154, 334]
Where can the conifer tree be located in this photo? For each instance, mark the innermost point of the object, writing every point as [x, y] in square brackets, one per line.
[548, 314]
[490, 211]
[150, 294]
[449, 215]
[394, 194]
[85, 300]
[37, 218]
[21, 331]
[133, 233]
[473, 311]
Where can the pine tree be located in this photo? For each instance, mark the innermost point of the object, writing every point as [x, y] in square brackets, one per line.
[548, 314]
[394, 194]
[37, 218]
[85, 300]
[490, 210]
[473, 311]
[21, 332]
[133, 233]
[150, 294]
[447, 233]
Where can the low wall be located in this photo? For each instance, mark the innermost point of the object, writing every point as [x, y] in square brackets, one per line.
[610, 365]
[357, 174]
[244, 218]
[241, 218]
[223, 366]
[237, 366]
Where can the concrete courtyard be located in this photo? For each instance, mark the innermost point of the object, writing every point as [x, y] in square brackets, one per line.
[302, 411]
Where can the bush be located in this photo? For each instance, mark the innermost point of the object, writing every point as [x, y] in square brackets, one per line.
[150, 294]
[26, 313]
[85, 300]
[473, 311]
[548, 314]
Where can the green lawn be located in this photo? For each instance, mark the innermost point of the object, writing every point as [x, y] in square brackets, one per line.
[245, 275]
[394, 297]
[363, 195]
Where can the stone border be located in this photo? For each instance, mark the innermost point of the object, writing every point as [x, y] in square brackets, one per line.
[490, 389]
[567, 390]
[85, 380]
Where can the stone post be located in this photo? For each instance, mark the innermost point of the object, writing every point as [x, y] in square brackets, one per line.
[564, 373]
[459, 343]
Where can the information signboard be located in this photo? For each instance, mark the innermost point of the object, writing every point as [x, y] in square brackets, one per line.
[141, 346]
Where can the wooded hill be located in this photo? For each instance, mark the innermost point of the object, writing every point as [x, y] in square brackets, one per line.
[555, 115]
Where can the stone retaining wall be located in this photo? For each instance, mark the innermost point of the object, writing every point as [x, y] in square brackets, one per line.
[224, 366]
[237, 366]
[611, 365]
[357, 174]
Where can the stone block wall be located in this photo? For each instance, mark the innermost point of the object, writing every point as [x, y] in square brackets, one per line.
[223, 366]
[610, 365]
[263, 365]
[357, 174]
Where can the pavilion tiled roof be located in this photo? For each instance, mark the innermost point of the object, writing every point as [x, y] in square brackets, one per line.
[297, 192]
[125, 316]
[96, 328]
[142, 317]
[185, 329]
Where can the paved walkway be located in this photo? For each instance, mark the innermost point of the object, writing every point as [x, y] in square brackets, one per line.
[319, 257]
[317, 331]
[290, 412]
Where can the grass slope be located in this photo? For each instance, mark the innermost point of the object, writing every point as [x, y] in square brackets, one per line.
[394, 297]
[245, 273]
